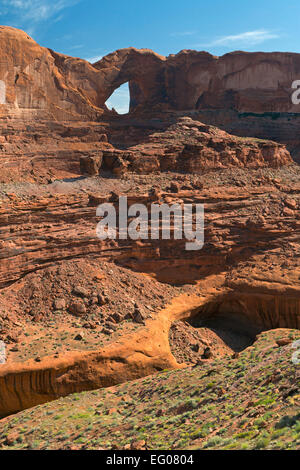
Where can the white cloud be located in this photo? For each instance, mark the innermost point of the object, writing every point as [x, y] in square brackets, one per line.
[95, 59]
[29, 13]
[249, 38]
[59, 18]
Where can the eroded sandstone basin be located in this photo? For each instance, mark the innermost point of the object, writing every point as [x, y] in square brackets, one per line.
[79, 314]
[148, 350]
[133, 293]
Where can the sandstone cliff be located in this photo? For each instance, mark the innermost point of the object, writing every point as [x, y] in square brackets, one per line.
[247, 82]
[193, 147]
[37, 78]
[249, 265]
[36, 82]
[55, 126]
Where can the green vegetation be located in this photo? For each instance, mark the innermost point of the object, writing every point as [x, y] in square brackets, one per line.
[247, 403]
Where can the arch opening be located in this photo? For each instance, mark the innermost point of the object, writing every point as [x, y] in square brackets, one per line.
[119, 100]
[230, 325]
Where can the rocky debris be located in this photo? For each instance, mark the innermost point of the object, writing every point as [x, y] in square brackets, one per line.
[117, 317]
[283, 342]
[90, 325]
[79, 337]
[119, 289]
[102, 300]
[114, 197]
[77, 308]
[11, 438]
[10, 336]
[192, 147]
[116, 161]
[107, 331]
[174, 188]
[288, 212]
[91, 165]
[80, 291]
[138, 445]
[291, 203]
[111, 326]
[139, 316]
[59, 304]
[135, 445]
[207, 353]
[195, 347]
[112, 411]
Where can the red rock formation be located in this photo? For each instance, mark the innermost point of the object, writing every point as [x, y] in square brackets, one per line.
[45, 150]
[248, 94]
[36, 231]
[36, 82]
[29, 152]
[247, 82]
[47, 83]
[143, 353]
[142, 68]
[50, 108]
[194, 147]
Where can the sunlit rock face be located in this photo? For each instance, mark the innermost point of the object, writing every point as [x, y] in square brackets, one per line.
[246, 94]
[34, 81]
[37, 81]
[246, 82]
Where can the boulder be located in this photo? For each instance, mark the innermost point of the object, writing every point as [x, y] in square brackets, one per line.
[77, 308]
[91, 164]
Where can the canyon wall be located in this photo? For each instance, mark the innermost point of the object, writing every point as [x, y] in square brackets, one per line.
[141, 354]
[247, 94]
[54, 126]
[35, 82]
[247, 82]
[38, 79]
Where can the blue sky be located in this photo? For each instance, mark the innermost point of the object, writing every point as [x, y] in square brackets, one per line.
[92, 28]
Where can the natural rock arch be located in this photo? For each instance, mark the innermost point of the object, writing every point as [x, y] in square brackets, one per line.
[142, 69]
[120, 99]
